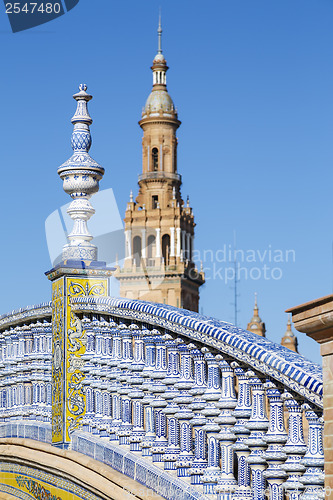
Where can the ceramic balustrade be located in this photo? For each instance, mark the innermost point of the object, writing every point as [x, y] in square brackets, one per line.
[177, 402]
[26, 364]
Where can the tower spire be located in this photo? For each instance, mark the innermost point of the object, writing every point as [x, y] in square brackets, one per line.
[159, 66]
[159, 33]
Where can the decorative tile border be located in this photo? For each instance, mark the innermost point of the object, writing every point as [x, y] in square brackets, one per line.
[68, 487]
[15, 492]
[39, 431]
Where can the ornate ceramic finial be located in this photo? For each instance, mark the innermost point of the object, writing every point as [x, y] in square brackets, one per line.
[81, 176]
[131, 196]
[255, 301]
[188, 201]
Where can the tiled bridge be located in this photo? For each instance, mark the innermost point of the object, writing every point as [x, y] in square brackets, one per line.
[166, 404]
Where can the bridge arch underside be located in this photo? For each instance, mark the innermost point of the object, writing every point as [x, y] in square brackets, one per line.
[31, 469]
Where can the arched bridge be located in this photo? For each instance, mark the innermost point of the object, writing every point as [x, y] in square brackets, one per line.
[159, 402]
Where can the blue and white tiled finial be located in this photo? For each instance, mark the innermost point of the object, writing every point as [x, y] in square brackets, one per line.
[81, 176]
[81, 137]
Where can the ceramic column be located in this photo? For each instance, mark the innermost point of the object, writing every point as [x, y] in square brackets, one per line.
[258, 425]
[295, 448]
[227, 403]
[276, 437]
[313, 460]
[242, 413]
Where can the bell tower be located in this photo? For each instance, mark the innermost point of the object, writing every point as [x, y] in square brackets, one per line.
[159, 226]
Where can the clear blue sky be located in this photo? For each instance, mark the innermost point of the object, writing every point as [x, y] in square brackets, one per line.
[252, 80]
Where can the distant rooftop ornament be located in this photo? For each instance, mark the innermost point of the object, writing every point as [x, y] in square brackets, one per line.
[256, 325]
[81, 176]
[289, 339]
[131, 196]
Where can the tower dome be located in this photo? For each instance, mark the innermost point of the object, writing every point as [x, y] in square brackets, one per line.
[159, 102]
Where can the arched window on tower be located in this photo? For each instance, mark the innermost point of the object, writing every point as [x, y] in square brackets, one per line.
[166, 249]
[154, 201]
[137, 250]
[155, 159]
[151, 242]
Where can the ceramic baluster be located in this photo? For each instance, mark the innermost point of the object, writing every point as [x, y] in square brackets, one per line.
[149, 417]
[136, 394]
[295, 448]
[226, 404]
[242, 413]
[276, 437]
[198, 421]
[258, 425]
[184, 415]
[126, 426]
[173, 375]
[114, 383]
[157, 388]
[313, 460]
[212, 394]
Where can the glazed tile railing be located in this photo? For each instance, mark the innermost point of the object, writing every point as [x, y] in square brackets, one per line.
[182, 393]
